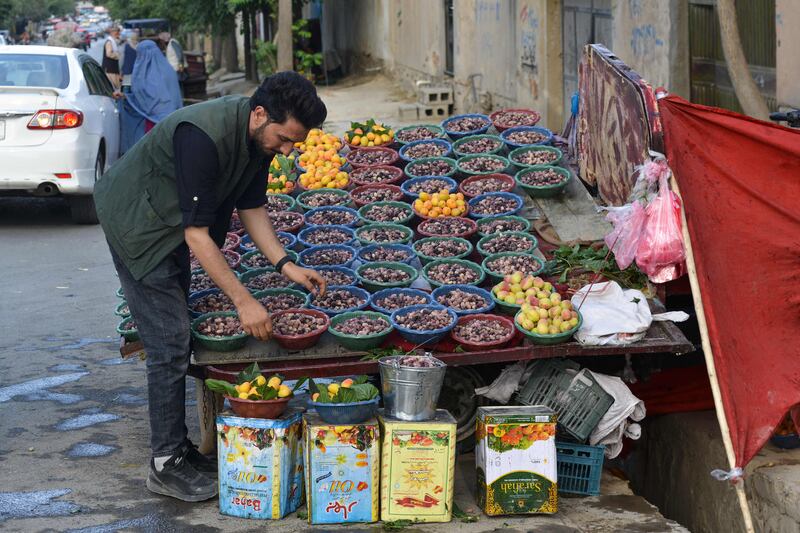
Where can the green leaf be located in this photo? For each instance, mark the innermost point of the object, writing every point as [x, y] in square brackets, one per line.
[302, 515]
[324, 397]
[397, 525]
[221, 387]
[300, 384]
[248, 374]
[461, 515]
[360, 380]
[364, 392]
[269, 394]
[346, 395]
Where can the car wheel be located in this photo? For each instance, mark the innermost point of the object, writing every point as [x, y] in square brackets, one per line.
[82, 207]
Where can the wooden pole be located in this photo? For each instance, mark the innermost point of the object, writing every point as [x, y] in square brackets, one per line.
[711, 367]
[248, 44]
[285, 52]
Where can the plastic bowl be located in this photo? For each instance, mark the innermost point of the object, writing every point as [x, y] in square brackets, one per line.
[511, 145]
[507, 183]
[130, 335]
[361, 293]
[412, 174]
[407, 232]
[497, 277]
[469, 173]
[300, 342]
[304, 234]
[496, 118]
[303, 257]
[362, 212]
[555, 338]
[246, 240]
[225, 344]
[472, 225]
[305, 195]
[535, 148]
[344, 167]
[196, 296]
[483, 221]
[346, 413]
[291, 253]
[396, 173]
[300, 221]
[409, 251]
[373, 149]
[394, 190]
[440, 142]
[452, 185]
[428, 217]
[269, 409]
[544, 191]
[387, 292]
[290, 201]
[463, 140]
[510, 195]
[503, 234]
[294, 292]
[504, 307]
[474, 266]
[120, 294]
[121, 310]
[438, 132]
[344, 270]
[460, 134]
[360, 342]
[337, 209]
[250, 274]
[466, 288]
[481, 346]
[418, 337]
[374, 286]
[425, 259]
[235, 239]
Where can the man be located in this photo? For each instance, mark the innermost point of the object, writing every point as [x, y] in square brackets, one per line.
[111, 57]
[174, 52]
[173, 192]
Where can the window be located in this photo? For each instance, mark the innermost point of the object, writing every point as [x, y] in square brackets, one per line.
[96, 79]
[28, 70]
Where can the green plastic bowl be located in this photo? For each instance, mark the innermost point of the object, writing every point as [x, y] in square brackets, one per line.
[555, 338]
[457, 145]
[439, 132]
[504, 307]
[120, 294]
[408, 232]
[271, 292]
[286, 198]
[292, 254]
[515, 218]
[544, 191]
[502, 234]
[425, 259]
[474, 266]
[497, 277]
[119, 311]
[450, 161]
[362, 212]
[304, 196]
[218, 345]
[360, 342]
[533, 148]
[375, 286]
[469, 173]
[130, 334]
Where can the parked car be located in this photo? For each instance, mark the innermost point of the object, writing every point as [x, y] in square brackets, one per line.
[59, 125]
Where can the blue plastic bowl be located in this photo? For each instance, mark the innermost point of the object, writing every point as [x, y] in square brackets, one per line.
[386, 292]
[486, 295]
[305, 253]
[459, 134]
[346, 413]
[196, 296]
[246, 240]
[411, 255]
[338, 208]
[301, 237]
[345, 270]
[292, 240]
[441, 142]
[353, 290]
[414, 195]
[512, 145]
[511, 195]
[786, 442]
[430, 337]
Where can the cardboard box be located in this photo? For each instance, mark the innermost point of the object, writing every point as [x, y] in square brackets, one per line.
[260, 465]
[516, 460]
[418, 463]
[342, 473]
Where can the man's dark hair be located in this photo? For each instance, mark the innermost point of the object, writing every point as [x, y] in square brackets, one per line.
[290, 94]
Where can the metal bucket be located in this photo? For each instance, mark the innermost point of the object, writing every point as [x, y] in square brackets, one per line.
[410, 393]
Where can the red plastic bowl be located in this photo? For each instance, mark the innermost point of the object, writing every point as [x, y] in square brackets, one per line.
[508, 183]
[465, 235]
[235, 222]
[395, 157]
[301, 342]
[479, 346]
[396, 191]
[500, 127]
[270, 409]
[237, 240]
[398, 175]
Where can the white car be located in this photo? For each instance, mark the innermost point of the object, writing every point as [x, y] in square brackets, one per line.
[59, 125]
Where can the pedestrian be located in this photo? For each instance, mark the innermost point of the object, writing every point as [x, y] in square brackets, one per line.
[127, 60]
[174, 192]
[111, 57]
[174, 52]
[154, 92]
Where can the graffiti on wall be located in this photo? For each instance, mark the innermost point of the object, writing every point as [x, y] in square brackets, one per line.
[528, 36]
[645, 41]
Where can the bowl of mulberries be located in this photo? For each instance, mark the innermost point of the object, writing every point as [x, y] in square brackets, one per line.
[395, 253]
[526, 136]
[425, 148]
[275, 300]
[385, 275]
[384, 234]
[298, 329]
[340, 299]
[360, 330]
[464, 299]
[332, 216]
[534, 156]
[543, 181]
[333, 234]
[480, 332]
[482, 184]
[497, 266]
[465, 125]
[495, 204]
[507, 241]
[219, 331]
[435, 248]
[378, 175]
[453, 272]
[388, 301]
[368, 194]
[424, 324]
[327, 255]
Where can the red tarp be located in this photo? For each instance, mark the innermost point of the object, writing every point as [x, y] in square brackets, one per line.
[740, 183]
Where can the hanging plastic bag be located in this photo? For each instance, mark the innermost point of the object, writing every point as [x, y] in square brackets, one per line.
[661, 254]
[623, 241]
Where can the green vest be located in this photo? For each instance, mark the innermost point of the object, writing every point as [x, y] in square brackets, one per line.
[137, 199]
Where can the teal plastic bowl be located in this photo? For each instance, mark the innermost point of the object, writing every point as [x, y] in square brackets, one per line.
[122, 310]
[286, 199]
[500, 160]
[412, 173]
[544, 191]
[505, 234]
[225, 344]
[407, 234]
[346, 200]
[469, 264]
[130, 335]
[360, 342]
[437, 132]
[550, 339]
[120, 294]
[463, 140]
[483, 222]
[497, 277]
[512, 156]
[504, 307]
[375, 286]
[363, 213]
[425, 259]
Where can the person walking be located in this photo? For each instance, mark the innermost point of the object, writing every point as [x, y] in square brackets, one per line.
[154, 92]
[127, 60]
[172, 193]
[111, 57]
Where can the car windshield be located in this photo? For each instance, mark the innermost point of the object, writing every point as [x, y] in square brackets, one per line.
[28, 70]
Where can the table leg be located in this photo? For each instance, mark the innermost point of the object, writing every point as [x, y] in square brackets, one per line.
[208, 405]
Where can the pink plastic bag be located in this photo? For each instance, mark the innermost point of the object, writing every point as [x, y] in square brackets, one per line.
[628, 222]
[660, 253]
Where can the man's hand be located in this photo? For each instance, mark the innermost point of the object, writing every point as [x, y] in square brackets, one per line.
[255, 319]
[310, 279]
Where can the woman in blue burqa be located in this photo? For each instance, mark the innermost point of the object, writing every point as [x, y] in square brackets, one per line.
[154, 94]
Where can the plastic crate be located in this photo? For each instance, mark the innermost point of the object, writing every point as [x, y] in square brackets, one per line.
[580, 467]
[575, 396]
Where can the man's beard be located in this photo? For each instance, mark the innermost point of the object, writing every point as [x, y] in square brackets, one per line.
[257, 138]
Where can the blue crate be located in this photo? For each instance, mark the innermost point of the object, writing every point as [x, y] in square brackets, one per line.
[580, 467]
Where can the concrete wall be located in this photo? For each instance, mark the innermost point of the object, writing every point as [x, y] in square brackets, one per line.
[787, 22]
